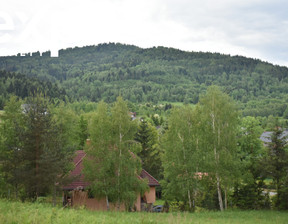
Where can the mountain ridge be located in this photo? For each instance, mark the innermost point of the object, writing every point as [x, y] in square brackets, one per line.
[158, 74]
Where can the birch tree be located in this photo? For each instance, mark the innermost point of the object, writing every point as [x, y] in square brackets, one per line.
[12, 128]
[219, 119]
[181, 157]
[112, 163]
[99, 163]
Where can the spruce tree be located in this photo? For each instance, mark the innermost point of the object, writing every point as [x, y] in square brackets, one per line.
[44, 149]
[147, 136]
[276, 164]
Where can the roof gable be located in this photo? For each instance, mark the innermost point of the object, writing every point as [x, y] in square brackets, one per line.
[80, 182]
[266, 136]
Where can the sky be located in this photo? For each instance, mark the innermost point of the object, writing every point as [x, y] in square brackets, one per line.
[251, 28]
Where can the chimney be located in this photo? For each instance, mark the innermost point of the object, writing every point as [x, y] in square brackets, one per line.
[88, 142]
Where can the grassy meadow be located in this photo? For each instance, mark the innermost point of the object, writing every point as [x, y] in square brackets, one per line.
[22, 213]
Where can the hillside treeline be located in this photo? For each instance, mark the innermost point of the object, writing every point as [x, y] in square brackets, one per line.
[23, 86]
[158, 74]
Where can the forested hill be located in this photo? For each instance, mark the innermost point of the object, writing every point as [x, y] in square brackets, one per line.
[23, 86]
[157, 74]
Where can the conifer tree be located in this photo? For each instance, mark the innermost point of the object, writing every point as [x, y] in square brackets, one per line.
[44, 149]
[33, 147]
[147, 136]
[276, 165]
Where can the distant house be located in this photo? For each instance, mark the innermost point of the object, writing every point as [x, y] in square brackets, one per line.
[266, 136]
[76, 193]
[132, 115]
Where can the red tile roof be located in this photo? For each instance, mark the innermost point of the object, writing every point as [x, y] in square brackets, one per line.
[77, 172]
[79, 182]
[151, 180]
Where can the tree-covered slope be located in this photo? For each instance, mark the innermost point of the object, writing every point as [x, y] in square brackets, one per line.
[158, 74]
[23, 86]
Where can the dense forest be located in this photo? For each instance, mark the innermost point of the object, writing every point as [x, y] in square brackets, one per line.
[155, 75]
[22, 86]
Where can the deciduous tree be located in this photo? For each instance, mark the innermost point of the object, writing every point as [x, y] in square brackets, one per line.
[219, 120]
[112, 164]
[181, 159]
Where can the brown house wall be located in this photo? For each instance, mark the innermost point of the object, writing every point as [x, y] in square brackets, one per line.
[151, 195]
[80, 198]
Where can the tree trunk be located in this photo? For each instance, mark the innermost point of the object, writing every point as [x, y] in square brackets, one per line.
[54, 196]
[226, 201]
[189, 198]
[219, 193]
[37, 165]
[107, 203]
[16, 189]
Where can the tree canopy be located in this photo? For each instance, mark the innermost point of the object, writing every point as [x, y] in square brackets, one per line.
[156, 74]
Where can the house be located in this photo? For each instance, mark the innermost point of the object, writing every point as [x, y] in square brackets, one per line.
[132, 115]
[266, 136]
[76, 193]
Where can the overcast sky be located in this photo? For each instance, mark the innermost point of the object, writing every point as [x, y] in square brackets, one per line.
[252, 28]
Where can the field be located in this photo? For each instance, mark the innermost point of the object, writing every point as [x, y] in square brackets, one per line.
[22, 213]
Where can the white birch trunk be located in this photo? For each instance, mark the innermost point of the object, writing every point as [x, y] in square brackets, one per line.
[219, 193]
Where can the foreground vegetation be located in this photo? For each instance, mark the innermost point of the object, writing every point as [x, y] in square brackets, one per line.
[17, 212]
[208, 141]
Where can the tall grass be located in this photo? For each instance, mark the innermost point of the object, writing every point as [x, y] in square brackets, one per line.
[22, 213]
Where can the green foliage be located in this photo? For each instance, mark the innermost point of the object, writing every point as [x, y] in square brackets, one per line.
[219, 121]
[111, 164]
[182, 158]
[275, 165]
[23, 86]
[83, 131]
[250, 145]
[281, 202]
[250, 196]
[248, 192]
[69, 130]
[34, 149]
[148, 137]
[11, 141]
[106, 71]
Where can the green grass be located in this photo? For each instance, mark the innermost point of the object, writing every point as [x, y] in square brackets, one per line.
[22, 213]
